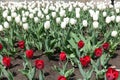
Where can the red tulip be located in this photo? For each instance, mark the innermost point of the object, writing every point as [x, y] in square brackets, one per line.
[62, 56]
[85, 60]
[98, 52]
[29, 53]
[39, 64]
[112, 74]
[81, 44]
[6, 61]
[105, 46]
[21, 44]
[1, 47]
[62, 78]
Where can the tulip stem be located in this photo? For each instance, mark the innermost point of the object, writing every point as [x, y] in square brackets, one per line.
[41, 75]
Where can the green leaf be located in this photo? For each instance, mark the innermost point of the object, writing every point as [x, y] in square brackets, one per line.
[24, 72]
[10, 76]
[72, 55]
[1, 58]
[102, 59]
[99, 43]
[69, 72]
[82, 37]
[7, 74]
[98, 63]
[81, 70]
[53, 41]
[100, 73]
[1, 72]
[106, 78]
[94, 65]
[64, 67]
[31, 73]
[72, 43]
[75, 36]
[38, 45]
[118, 77]
[89, 73]
[49, 51]
[56, 69]
[46, 44]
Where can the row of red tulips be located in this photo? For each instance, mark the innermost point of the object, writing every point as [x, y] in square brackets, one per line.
[111, 74]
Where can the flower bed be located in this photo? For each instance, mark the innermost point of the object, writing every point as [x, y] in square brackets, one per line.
[82, 35]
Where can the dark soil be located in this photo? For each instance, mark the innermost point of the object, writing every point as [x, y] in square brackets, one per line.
[50, 74]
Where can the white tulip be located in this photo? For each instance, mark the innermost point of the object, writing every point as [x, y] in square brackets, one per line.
[112, 17]
[33, 11]
[5, 14]
[23, 15]
[70, 8]
[91, 12]
[77, 10]
[17, 19]
[73, 21]
[77, 15]
[20, 23]
[110, 6]
[75, 4]
[117, 19]
[1, 28]
[99, 6]
[47, 17]
[95, 17]
[66, 20]
[104, 14]
[97, 12]
[95, 24]
[23, 12]
[47, 25]
[24, 19]
[114, 33]
[36, 9]
[36, 20]
[81, 5]
[52, 7]
[84, 22]
[85, 8]
[25, 26]
[45, 11]
[58, 20]
[13, 14]
[108, 19]
[117, 10]
[62, 13]
[6, 24]
[39, 14]
[9, 18]
[27, 13]
[31, 15]
[56, 9]
[42, 16]
[117, 5]
[63, 25]
[53, 14]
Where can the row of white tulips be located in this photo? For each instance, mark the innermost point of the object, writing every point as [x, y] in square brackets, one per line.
[39, 12]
